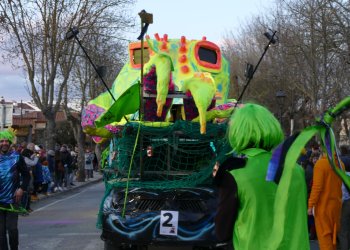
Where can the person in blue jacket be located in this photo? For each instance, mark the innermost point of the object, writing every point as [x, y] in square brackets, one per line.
[14, 179]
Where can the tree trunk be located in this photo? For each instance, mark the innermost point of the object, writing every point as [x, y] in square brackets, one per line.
[80, 137]
[50, 132]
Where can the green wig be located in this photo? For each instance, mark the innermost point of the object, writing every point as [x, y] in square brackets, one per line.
[254, 126]
[8, 134]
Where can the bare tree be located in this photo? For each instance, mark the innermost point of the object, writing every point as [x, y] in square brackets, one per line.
[37, 29]
[309, 63]
[312, 49]
[107, 54]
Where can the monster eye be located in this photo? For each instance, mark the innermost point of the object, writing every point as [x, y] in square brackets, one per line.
[208, 55]
[135, 54]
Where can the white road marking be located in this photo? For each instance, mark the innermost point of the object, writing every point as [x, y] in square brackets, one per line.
[55, 202]
[79, 234]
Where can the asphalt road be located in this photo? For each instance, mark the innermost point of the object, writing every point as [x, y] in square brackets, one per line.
[65, 222]
[68, 222]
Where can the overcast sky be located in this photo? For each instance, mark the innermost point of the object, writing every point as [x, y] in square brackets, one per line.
[191, 18]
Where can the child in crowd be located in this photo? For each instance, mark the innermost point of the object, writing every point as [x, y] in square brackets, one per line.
[46, 176]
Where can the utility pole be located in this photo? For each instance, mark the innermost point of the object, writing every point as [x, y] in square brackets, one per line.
[3, 113]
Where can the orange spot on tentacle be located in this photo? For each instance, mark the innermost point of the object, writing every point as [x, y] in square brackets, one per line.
[183, 59]
[183, 39]
[185, 69]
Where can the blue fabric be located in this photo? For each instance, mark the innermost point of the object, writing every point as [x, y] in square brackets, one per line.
[8, 177]
[274, 163]
[303, 158]
[46, 174]
[346, 195]
[38, 173]
[346, 160]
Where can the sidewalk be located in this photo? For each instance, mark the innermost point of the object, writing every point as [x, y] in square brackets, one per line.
[97, 177]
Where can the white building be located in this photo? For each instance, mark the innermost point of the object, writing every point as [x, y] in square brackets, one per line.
[6, 112]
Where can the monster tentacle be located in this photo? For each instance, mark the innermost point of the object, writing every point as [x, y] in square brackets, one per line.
[202, 88]
[163, 67]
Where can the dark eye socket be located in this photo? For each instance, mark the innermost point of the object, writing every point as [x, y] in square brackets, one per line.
[137, 56]
[207, 55]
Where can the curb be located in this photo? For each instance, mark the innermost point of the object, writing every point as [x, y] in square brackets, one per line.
[82, 185]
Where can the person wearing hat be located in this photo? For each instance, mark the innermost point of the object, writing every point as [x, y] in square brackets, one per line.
[12, 170]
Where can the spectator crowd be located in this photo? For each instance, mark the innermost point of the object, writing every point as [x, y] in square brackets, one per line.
[52, 170]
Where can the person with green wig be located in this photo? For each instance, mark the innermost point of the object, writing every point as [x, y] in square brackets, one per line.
[14, 179]
[245, 212]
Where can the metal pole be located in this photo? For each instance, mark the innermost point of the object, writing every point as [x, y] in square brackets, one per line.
[3, 113]
[3, 117]
[141, 111]
[93, 65]
[257, 65]
[73, 32]
[141, 80]
[146, 20]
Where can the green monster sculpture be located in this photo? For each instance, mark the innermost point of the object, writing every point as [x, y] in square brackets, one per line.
[191, 74]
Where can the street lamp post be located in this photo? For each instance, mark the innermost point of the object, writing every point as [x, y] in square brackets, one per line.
[3, 113]
[280, 96]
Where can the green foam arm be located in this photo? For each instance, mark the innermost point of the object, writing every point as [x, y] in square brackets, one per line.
[330, 115]
[12, 209]
[282, 201]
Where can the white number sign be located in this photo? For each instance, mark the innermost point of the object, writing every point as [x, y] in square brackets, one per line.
[169, 221]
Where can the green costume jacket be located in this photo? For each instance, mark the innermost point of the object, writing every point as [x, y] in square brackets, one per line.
[259, 224]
